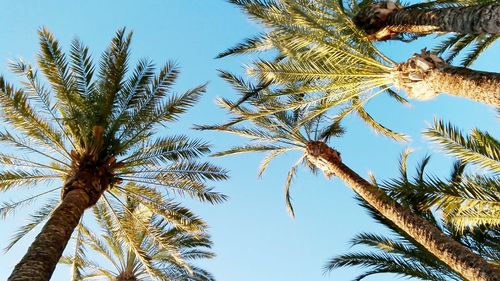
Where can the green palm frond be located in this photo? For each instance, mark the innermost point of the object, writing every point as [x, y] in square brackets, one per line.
[259, 43]
[8, 208]
[478, 147]
[385, 263]
[474, 201]
[11, 179]
[18, 113]
[472, 46]
[166, 149]
[83, 68]
[376, 126]
[155, 203]
[459, 198]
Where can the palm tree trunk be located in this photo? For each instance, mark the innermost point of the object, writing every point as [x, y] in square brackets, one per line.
[386, 20]
[457, 256]
[425, 76]
[477, 19]
[41, 259]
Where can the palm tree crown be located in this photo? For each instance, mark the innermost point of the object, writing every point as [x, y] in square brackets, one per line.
[276, 134]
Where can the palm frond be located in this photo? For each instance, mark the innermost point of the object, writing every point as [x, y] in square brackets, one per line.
[477, 148]
[9, 207]
[258, 43]
[35, 219]
[12, 179]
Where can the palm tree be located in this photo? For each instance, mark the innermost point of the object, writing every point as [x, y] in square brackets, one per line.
[95, 133]
[162, 263]
[286, 131]
[333, 57]
[400, 253]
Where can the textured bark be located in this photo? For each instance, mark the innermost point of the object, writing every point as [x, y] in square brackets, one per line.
[457, 256]
[41, 259]
[425, 76]
[386, 20]
[478, 19]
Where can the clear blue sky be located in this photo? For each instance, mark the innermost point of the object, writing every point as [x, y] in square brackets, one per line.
[255, 240]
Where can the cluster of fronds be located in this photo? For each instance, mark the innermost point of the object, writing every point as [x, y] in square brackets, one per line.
[166, 251]
[321, 55]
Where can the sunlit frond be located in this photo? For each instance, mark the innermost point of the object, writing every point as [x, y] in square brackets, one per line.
[478, 148]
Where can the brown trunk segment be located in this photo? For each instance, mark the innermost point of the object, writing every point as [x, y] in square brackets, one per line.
[483, 87]
[457, 256]
[425, 76]
[40, 261]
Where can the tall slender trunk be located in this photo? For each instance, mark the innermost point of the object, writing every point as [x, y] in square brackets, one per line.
[40, 261]
[457, 256]
[425, 76]
[385, 20]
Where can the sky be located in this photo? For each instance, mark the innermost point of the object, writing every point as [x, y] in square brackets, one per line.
[254, 238]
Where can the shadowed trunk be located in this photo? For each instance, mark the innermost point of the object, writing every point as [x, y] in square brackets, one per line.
[41, 259]
[478, 19]
[385, 20]
[425, 76]
[457, 256]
